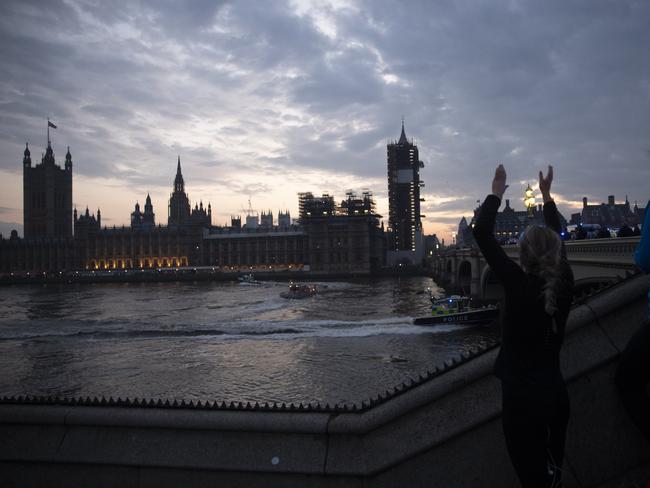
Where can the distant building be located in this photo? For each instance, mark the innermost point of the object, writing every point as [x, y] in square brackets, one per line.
[404, 220]
[266, 220]
[143, 220]
[235, 223]
[284, 220]
[510, 223]
[508, 226]
[143, 244]
[47, 196]
[180, 211]
[432, 245]
[257, 248]
[342, 239]
[87, 223]
[252, 221]
[179, 203]
[464, 233]
[609, 215]
[201, 216]
[128, 248]
[311, 206]
[328, 239]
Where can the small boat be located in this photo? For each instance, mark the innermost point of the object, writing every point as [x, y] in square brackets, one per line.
[457, 309]
[248, 279]
[299, 291]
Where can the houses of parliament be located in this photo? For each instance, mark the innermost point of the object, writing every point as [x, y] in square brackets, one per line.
[343, 238]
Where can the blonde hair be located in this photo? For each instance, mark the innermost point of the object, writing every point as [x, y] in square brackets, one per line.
[540, 252]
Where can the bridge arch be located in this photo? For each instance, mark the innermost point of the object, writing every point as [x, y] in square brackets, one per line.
[594, 262]
[491, 287]
[464, 276]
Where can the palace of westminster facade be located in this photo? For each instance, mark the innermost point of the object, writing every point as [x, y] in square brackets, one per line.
[328, 238]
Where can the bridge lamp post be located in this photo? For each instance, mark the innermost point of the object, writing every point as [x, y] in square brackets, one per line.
[529, 200]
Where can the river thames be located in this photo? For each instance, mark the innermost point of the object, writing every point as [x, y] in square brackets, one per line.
[222, 341]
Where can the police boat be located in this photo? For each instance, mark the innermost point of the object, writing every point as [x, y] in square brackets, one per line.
[457, 309]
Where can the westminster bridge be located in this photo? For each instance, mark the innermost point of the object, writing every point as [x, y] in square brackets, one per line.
[594, 262]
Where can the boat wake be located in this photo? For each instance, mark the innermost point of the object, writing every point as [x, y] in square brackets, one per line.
[89, 330]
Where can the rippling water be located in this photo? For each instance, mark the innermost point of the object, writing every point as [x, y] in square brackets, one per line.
[221, 341]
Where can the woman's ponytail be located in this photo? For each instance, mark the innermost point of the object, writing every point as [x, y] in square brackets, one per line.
[540, 255]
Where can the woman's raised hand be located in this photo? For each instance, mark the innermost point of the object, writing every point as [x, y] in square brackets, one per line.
[499, 182]
[545, 184]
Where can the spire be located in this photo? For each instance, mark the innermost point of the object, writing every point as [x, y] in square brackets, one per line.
[148, 202]
[402, 137]
[27, 158]
[68, 159]
[179, 184]
[49, 154]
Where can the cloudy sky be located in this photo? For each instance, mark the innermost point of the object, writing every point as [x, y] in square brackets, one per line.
[263, 99]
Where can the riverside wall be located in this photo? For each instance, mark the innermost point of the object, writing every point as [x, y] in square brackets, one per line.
[443, 430]
[189, 274]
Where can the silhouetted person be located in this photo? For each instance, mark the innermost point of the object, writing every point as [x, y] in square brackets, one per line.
[633, 372]
[581, 233]
[625, 231]
[603, 233]
[537, 300]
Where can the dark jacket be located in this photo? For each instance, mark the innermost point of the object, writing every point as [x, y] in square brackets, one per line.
[625, 231]
[642, 253]
[530, 347]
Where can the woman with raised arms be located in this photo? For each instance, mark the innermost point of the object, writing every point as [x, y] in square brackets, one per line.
[538, 294]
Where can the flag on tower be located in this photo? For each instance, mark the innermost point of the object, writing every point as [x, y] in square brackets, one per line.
[50, 124]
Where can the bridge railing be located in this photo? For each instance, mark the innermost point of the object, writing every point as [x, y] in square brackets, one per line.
[616, 246]
[619, 250]
[601, 259]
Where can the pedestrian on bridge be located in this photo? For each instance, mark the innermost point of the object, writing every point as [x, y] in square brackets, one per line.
[538, 294]
[633, 372]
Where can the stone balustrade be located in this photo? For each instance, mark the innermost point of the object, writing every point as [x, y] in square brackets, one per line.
[592, 260]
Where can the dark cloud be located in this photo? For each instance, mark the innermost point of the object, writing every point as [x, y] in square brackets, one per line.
[265, 89]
